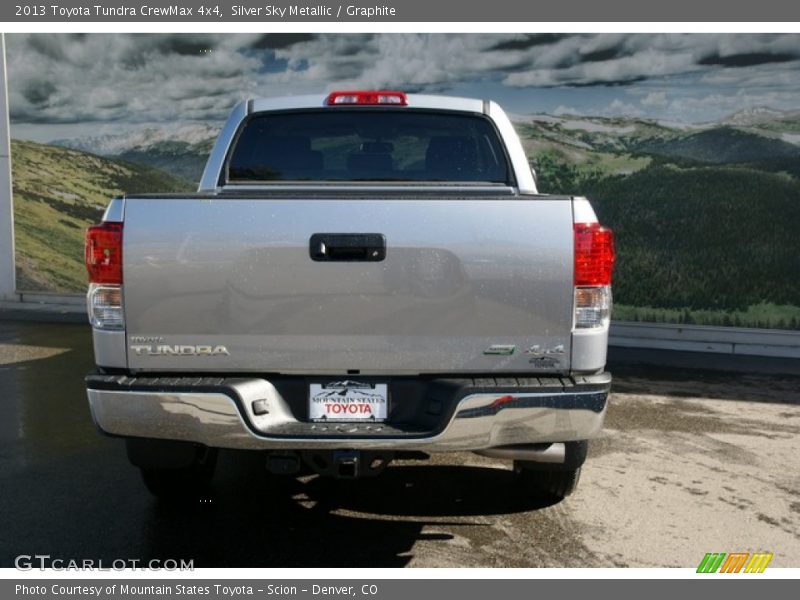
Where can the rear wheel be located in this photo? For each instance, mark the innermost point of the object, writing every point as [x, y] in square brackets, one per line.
[173, 470]
[555, 480]
[558, 484]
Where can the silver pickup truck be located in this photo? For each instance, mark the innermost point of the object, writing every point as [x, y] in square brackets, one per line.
[360, 277]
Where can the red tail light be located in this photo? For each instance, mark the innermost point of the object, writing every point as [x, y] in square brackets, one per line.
[594, 254]
[367, 97]
[103, 253]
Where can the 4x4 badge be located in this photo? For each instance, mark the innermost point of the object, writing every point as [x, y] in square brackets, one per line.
[503, 349]
[537, 350]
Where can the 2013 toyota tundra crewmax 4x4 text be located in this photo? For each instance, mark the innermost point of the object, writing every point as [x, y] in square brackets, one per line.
[359, 277]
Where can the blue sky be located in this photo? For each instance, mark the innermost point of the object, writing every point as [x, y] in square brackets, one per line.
[69, 85]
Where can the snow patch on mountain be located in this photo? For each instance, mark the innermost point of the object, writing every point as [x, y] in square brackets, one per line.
[792, 138]
[754, 116]
[142, 139]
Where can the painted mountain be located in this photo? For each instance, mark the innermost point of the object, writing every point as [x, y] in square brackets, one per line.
[57, 193]
[705, 216]
[181, 150]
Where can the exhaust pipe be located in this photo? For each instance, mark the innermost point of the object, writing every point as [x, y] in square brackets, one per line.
[553, 453]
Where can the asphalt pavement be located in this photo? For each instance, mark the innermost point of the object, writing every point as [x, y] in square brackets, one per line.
[699, 454]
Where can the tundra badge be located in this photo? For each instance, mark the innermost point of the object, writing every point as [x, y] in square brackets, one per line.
[180, 350]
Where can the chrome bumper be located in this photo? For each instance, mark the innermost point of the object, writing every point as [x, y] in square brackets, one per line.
[224, 418]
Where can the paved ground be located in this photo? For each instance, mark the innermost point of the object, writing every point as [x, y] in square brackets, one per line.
[691, 462]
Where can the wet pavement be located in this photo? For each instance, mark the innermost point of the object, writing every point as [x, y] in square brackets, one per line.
[691, 461]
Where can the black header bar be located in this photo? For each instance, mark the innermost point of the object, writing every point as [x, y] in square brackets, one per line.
[390, 11]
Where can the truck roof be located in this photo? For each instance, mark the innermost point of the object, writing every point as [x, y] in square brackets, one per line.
[413, 101]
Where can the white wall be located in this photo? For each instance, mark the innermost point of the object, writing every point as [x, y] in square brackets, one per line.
[7, 271]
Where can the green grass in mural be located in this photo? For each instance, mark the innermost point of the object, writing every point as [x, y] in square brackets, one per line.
[706, 237]
[697, 241]
[705, 221]
[57, 193]
[764, 315]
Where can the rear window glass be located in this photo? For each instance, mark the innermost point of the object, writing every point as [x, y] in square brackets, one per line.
[368, 145]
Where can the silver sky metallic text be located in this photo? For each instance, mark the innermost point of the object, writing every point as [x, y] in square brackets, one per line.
[270, 10]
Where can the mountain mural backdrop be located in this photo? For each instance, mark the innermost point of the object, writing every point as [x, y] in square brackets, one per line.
[705, 216]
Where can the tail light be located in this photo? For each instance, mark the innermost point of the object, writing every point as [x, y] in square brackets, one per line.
[103, 258]
[367, 97]
[103, 253]
[594, 254]
[594, 261]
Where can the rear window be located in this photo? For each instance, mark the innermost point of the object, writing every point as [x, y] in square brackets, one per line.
[368, 145]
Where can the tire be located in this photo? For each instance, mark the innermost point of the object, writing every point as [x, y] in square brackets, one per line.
[186, 483]
[557, 484]
[173, 470]
[555, 480]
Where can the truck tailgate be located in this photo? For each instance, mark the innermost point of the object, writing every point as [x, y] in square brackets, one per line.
[468, 285]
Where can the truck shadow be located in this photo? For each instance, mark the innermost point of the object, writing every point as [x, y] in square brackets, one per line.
[253, 519]
[428, 491]
[69, 492]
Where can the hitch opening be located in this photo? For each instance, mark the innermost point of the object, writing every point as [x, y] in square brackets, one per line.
[347, 464]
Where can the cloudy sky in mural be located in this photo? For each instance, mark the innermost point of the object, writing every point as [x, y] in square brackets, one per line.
[67, 84]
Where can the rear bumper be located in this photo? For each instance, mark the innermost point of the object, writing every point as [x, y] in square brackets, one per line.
[473, 414]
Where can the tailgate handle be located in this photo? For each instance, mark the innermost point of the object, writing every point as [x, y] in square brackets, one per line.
[347, 247]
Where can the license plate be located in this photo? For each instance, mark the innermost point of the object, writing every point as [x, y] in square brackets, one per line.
[348, 401]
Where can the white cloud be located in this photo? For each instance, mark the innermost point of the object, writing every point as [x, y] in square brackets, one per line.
[655, 99]
[141, 78]
[620, 108]
[562, 110]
